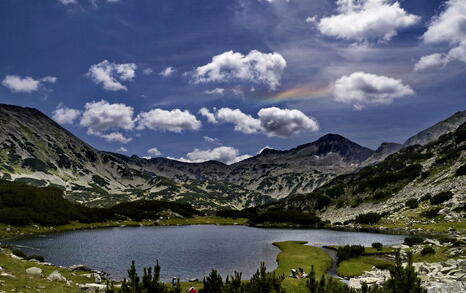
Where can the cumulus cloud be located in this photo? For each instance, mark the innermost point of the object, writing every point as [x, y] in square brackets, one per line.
[243, 122]
[255, 67]
[360, 89]
[167, 72]
[285, 122]
[429, 61]
[122, 149]
[209, 115]
[366, 19]
[18, 84]
[174, 120]
[110, 75]
[215, 91]
[65, 115]
[100, 117]
[224, 154]
[448, 27]
[154, 152]
[113, 137]
[271, 121]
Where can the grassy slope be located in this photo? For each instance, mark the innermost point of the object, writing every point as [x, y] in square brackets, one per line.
[25, 283]
[295, 254]
[354, 267]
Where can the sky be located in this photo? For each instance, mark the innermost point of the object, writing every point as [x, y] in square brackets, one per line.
[196, 80]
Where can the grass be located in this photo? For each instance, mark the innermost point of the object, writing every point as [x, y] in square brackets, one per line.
[26, 284]
[7, 231]
[438, 256]
[295, 254]
[354, 267]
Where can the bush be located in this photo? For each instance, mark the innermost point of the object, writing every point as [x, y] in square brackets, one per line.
[427, 250]
[413, 240]
[377, 245]
[369, 218]
[432, 213]
[36, 257]
[441, 197]
[412, 203]
[461, 170]
[428, 196]
[19, 253]
[349, 251]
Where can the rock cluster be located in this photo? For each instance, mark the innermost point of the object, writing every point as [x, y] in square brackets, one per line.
[441, 277]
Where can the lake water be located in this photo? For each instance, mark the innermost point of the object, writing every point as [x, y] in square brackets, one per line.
[183, 251]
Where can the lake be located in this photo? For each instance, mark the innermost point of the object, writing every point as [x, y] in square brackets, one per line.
[183, 251]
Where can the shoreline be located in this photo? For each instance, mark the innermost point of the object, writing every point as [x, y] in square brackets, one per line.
[8, 232]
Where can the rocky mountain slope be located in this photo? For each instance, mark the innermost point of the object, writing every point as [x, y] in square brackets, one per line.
[416, 174]
[35, 149]
[434, 132]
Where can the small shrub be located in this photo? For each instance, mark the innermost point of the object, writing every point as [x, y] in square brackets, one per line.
[369, 218]
[19, 253]
[461, 170]
[377, 245]
[412, 203]
[427, 250]
[36, 257]
[441, 197]
[413, 240]
[349, 251]
[432, 213]
[428, 196]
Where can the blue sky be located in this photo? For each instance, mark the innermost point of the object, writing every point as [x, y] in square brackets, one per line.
[131, 76]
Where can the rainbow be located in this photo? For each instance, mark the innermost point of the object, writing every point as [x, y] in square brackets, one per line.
[299, 93]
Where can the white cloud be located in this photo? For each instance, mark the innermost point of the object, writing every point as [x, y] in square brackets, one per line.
[360, 89]
[211, 139]
[110, 74]
[122, 149]
[366, 19]
[113, 137]
[167, 72]
[67, 2]
[285, 122]
[271, 121]
[256, 67]
[18, 84]
[448, 27]
[154, 152]
[429, 61]
[243, 122]
[65, 115]
[209, 115]
[224, 154]
[174, 120]
[102, 116]
[148, 71]
[215, 91]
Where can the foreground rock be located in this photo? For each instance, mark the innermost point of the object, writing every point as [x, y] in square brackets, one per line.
[56, 276]
[441, 277]
[33, 271]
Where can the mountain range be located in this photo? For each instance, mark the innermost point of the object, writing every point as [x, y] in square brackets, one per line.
[36, 150]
